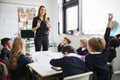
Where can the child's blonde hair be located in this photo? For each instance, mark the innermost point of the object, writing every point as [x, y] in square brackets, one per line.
[84, 41]
[18, 48]
[97, 43]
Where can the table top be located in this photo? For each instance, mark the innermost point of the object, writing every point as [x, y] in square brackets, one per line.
[42, 65]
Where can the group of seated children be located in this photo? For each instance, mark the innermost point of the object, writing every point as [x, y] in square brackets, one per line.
[82, 50]
[17, 60]
[98, 52]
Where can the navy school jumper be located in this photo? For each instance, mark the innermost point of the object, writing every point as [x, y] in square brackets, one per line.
[98, 62]
[70, 65]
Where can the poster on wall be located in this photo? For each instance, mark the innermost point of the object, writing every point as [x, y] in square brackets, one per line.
[25, 17]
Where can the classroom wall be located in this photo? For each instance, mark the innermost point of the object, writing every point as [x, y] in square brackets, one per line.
[26, 2]
[34, 3]
[9, 15]
[95, 13]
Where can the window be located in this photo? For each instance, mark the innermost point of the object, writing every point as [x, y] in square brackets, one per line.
[72, 18]
[67, 0]
[70, 15]
[86, 15]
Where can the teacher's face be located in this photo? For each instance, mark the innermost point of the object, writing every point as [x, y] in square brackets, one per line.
[42, 11]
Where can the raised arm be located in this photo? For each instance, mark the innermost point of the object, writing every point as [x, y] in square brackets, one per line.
[108, 29]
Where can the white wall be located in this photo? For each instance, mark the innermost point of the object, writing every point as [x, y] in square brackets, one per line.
[8, 20]
[95, 13]
[27, 2]
[9, 15]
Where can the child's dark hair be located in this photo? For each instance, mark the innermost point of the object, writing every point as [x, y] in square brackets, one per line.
[68, 40]
[114, 42]
[4, 41]
[68, 49]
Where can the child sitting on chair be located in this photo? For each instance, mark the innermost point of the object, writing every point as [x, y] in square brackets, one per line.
[18, 60]
[96, 61]
[82, 50]
[71, 63]
[65, 42]
[114, 43]
[7, 45]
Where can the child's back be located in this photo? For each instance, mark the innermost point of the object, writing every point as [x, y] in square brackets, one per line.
[18, 61]
[71, 63]
[96, 61]
[98, 64]
[21, 69]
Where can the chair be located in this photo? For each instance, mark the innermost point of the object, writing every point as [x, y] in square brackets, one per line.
[5, 75]
[116, 75]
[84, 76]
[6, 60]
[116, 72]
[116, 66]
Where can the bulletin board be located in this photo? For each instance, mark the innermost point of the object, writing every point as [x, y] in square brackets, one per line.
[25, 17]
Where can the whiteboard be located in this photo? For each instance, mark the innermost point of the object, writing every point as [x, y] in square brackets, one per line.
[9, 19]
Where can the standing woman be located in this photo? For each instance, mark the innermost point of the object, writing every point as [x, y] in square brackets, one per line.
[41, 25]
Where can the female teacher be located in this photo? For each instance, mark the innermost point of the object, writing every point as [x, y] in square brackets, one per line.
[41, 25]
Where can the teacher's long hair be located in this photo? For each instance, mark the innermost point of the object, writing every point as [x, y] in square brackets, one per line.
[18, 48]
[42, 6]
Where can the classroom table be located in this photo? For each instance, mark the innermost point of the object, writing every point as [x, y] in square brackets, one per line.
[42, 65]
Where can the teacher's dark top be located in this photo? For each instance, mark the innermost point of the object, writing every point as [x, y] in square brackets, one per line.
[43, 30]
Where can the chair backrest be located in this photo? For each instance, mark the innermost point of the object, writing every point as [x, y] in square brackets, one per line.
[116, 62]
[5, 75]
[116, 66]
[6, 60]
[84, 76]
